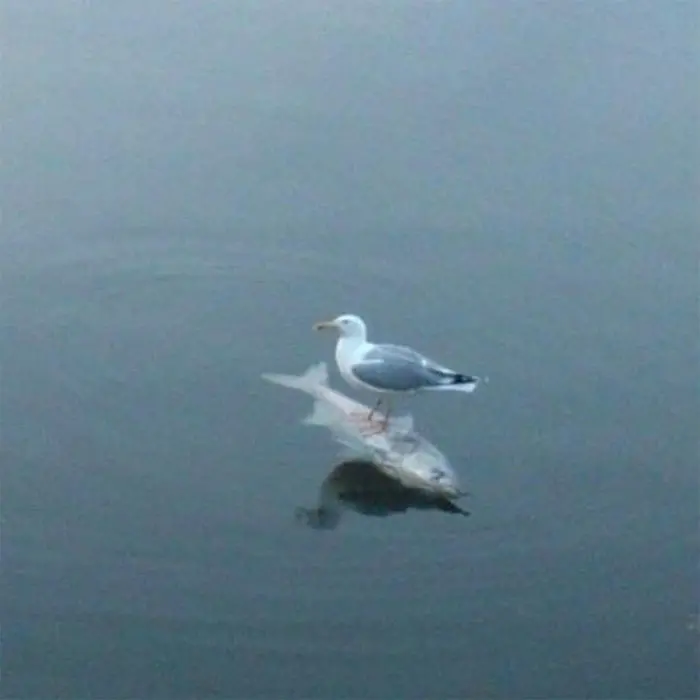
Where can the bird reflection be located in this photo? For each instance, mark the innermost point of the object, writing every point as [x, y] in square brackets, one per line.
[360, 485]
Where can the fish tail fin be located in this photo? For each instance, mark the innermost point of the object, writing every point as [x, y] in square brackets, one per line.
[309, 381]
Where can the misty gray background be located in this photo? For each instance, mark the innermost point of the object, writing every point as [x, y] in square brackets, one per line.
[187, 186]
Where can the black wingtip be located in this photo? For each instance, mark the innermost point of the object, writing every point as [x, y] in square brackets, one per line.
[465, 379]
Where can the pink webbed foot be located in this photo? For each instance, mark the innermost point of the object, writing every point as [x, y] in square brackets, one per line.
[368, 426]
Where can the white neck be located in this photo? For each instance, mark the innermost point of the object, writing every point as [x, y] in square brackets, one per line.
[349, 343]
[346, 347]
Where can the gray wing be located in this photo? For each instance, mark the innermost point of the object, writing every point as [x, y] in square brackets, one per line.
[398, 368]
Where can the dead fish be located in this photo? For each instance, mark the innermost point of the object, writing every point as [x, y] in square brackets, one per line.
[400, 452]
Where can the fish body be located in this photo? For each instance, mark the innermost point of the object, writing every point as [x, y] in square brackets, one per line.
[399, 450]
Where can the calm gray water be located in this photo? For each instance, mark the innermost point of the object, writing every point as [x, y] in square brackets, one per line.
[509, 187]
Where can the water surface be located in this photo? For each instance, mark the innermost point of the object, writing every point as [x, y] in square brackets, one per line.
[188, 188]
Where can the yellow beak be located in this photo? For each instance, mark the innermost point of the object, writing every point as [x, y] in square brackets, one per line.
[322, 325]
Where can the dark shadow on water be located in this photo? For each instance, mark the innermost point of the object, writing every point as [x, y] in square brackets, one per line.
[360, 485]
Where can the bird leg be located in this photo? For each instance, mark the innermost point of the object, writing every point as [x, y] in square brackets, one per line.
[376, 406]
[387, 413]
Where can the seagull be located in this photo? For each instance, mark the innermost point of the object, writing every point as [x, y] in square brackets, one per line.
[388, 369]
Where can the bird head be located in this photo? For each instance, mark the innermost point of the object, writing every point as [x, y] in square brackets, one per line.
[347, 326]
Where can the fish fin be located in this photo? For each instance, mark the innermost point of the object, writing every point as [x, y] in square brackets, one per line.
[308, 381]
[402, 425]
[324, 414]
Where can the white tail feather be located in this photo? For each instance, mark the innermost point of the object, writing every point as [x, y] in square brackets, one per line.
[466, 388]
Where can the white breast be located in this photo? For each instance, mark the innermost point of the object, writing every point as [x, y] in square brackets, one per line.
[346, 350]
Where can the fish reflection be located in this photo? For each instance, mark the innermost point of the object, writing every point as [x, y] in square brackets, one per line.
[365, 487]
